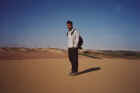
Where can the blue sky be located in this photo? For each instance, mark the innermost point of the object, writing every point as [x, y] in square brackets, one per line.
[104, 24]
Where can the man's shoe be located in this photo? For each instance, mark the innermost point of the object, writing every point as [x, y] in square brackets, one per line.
[73, 73]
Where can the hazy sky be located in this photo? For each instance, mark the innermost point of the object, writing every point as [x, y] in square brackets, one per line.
[104, 24]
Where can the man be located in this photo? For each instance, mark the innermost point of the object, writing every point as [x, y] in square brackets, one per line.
[73, 39]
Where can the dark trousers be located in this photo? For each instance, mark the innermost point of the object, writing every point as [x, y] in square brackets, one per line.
[73, 58]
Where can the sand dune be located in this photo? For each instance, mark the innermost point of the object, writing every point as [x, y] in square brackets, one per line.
[50, 73]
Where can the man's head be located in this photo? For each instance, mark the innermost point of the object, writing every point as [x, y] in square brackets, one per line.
[69, 25]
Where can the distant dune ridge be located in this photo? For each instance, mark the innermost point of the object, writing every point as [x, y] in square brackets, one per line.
[30, 53]
[36, 53]
[111, 54]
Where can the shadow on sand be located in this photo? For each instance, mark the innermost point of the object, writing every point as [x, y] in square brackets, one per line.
[91, 56]
[89, 70]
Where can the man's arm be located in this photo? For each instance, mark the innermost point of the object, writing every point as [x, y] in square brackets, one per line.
[76, 39]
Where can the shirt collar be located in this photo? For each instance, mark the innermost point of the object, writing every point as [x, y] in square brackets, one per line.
[71, 30]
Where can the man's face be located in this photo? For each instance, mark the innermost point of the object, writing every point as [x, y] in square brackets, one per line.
[69, 26]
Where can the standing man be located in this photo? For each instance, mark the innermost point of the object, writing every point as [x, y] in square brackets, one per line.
[73, 39]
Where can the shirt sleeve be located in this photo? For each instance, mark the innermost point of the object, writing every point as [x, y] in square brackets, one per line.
[76, 39]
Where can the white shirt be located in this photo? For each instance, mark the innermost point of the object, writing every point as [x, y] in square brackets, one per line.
[73, 39]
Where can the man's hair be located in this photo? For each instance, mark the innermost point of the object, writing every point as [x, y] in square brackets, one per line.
[69, 22]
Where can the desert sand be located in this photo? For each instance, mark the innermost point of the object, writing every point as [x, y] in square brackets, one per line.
[51, 75]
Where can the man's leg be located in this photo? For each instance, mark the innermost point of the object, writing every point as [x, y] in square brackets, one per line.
[70, 55]
[75, 60]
